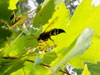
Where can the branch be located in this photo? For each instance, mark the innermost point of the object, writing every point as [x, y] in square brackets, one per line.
[43, 64]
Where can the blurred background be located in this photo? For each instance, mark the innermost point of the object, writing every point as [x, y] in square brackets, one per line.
[33, 4]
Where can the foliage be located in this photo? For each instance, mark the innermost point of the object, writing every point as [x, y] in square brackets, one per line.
[93, 68]
[21, 53]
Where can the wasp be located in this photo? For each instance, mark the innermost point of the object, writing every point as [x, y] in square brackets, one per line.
[47, 35]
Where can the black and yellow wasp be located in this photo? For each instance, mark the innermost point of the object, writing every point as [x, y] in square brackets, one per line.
[44, 36]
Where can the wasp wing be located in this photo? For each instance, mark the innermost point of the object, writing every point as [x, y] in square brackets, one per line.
[49, 25]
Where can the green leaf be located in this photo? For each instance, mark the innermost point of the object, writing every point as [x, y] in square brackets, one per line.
[21, 45]
[29, 68]
[94, 69]
[9, 66]
[26, 70]
[4, 22]
[44, 14]
[4, 34]
[5, 13]
[51, 55]
[32, 71]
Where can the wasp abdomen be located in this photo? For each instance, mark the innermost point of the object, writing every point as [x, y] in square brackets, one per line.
[46, 35]
[56, 31]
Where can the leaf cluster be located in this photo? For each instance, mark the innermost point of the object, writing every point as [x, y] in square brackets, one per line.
[22, 54]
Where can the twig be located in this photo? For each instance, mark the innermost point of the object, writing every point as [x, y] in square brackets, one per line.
[43, 64]
[21, 20]
[9, 57]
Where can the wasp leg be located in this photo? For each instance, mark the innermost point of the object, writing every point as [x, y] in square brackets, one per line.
[53, 42]
[47, 44]
[45, 47]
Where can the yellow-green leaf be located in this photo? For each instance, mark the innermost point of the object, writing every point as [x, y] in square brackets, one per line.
[12, 4]
[85, 15]
[86, 71]
[78, 47]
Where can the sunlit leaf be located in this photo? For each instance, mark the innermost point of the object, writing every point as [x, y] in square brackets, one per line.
[80, 20]
[77, 48]
[12, 4]
[86, 71]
